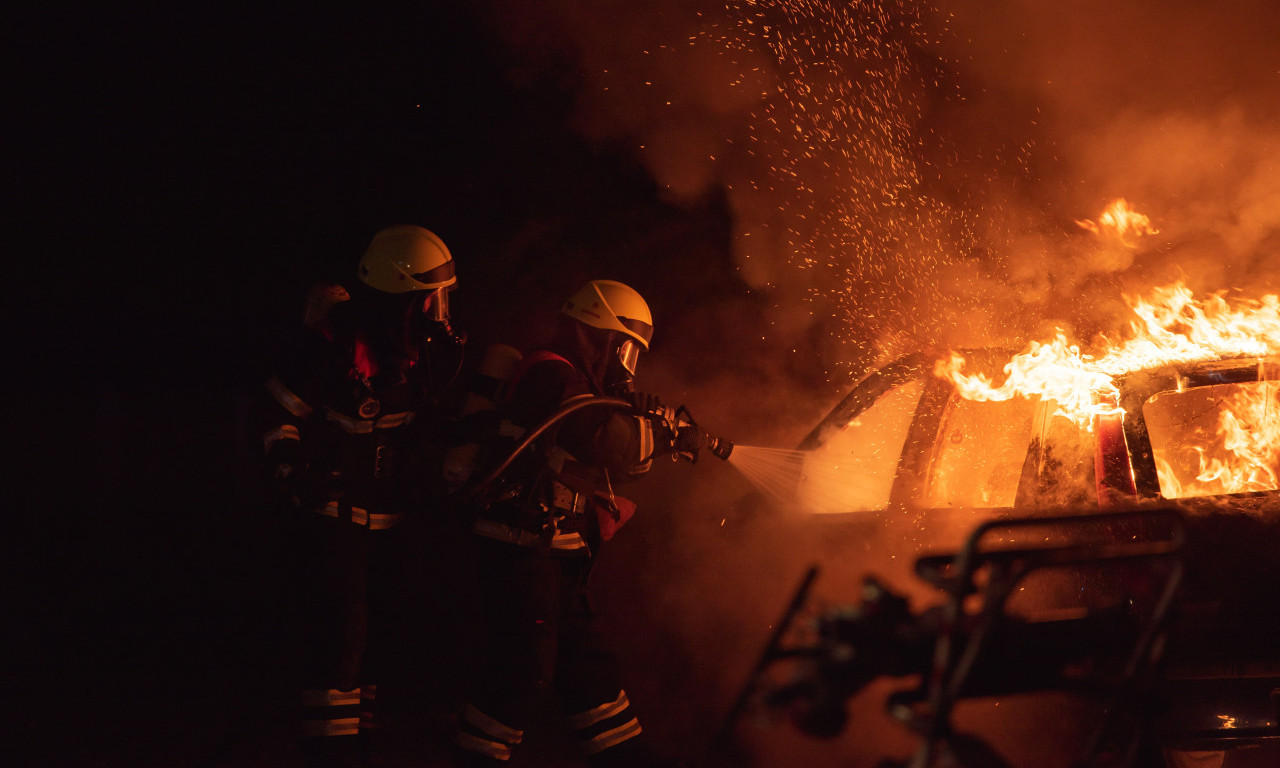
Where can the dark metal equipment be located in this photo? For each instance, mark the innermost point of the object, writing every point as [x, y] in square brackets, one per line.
[972, 645]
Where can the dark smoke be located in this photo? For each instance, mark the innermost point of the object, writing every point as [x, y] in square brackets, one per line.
[900, 175]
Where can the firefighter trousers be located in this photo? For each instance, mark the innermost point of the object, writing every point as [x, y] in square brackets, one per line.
[538, 640]
[348, 585]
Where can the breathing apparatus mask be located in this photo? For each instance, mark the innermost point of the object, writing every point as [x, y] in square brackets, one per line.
[620, 371]
[436, 305]
[616, 309]
[431, 316]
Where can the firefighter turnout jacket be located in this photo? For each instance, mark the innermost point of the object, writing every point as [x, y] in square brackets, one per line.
[340, 435]
[560, 493]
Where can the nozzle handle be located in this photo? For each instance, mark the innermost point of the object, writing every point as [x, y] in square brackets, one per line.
[686, 439]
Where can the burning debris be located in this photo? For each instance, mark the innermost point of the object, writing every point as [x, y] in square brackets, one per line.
[1236, 452]
[1172, 326]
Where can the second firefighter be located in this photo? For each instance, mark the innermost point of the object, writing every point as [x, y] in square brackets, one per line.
[542, 514]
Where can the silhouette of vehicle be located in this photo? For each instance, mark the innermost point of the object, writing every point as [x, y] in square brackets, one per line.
[1099, 557]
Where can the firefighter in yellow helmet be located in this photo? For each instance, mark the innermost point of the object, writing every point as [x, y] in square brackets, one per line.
[539, 519]
[346, 424]
[627, 325]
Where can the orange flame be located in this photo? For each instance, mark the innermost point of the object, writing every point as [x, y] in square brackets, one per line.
[1245, 455]
[1120, 222]
[1055, 371]
[1169, 326]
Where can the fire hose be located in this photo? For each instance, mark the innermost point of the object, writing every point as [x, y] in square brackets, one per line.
[673, 424]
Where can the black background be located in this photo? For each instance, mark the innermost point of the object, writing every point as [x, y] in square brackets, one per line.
[178, 177]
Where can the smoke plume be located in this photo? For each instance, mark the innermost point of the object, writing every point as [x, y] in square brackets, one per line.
[905, 174]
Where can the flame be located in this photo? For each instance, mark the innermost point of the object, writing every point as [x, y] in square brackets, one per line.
[1245, 454]
[1170, 326]
[1056, 371]
[1120, 222]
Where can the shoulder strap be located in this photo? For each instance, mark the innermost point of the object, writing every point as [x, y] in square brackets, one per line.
[552, 457]
[530, 360]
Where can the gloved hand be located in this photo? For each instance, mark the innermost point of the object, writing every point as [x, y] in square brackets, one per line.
[288, 479]
[284, 487]
[690, 441]
[280, 468]
[644, 402]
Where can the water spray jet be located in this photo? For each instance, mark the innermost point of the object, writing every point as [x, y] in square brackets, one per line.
[801, 478]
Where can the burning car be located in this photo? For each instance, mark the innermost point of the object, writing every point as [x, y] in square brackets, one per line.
[1142, 498]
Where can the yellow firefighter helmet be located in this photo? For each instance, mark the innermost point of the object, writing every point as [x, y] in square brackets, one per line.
[612, 306]
[405, 258]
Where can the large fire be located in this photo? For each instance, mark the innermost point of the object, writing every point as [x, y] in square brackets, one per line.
[1170, 325]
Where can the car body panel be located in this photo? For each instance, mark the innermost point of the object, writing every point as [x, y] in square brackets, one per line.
[993, 460]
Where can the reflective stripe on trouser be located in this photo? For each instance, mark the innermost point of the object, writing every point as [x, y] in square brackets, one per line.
[605, 726]
[368, 698]
[484, 735]
[360, 516]
[330, 713]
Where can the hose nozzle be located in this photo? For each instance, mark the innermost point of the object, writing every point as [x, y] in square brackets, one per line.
[719, 447]
[684, 437]
[691, 441]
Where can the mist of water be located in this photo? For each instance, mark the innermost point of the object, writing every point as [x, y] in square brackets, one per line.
[807, 481]
[774, 471]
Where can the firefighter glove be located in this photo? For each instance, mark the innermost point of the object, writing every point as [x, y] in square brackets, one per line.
[290, 481]
[644, 402]
[689, 442]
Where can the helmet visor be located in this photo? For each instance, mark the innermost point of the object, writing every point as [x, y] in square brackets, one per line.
[638, 327]
[441, 274]
[629, 355]
[436, 305]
